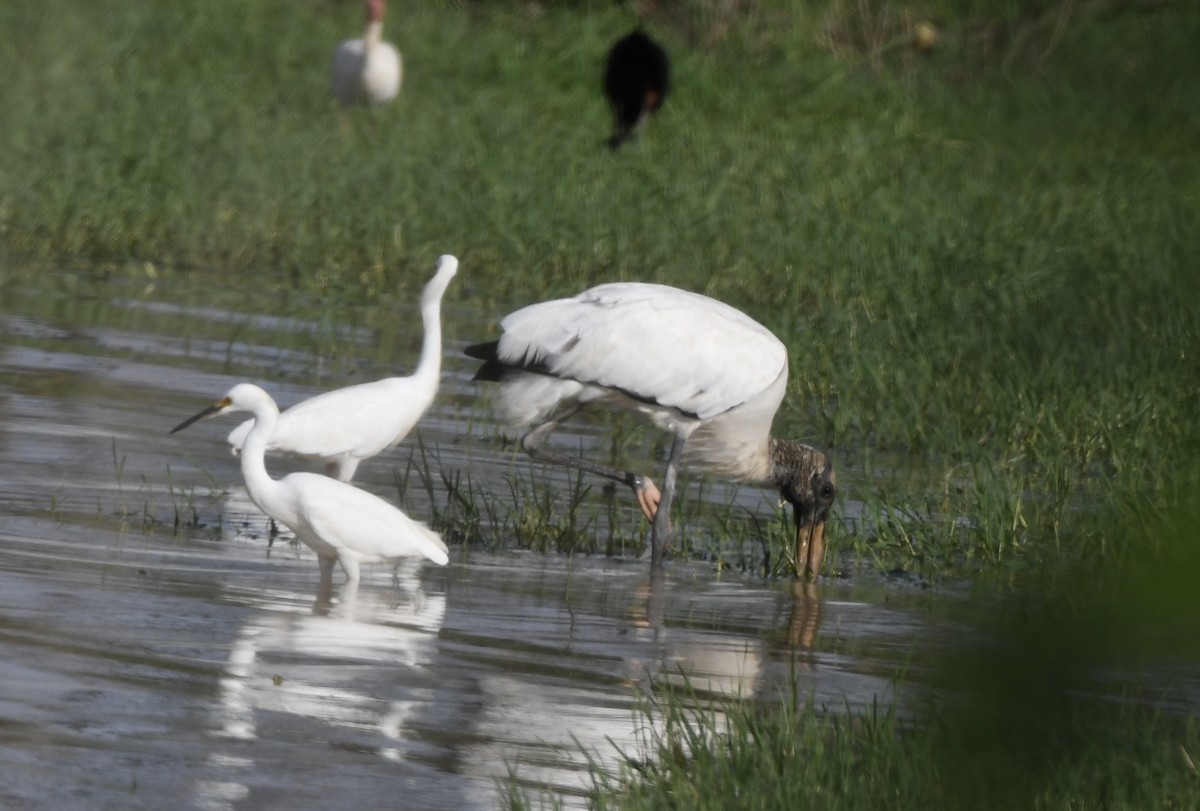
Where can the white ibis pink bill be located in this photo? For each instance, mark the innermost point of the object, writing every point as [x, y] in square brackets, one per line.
[367, 70]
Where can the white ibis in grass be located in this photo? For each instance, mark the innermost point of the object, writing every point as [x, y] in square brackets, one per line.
[344, 426]
[336, 520]
[367, 70]
[703, 371]
[636, 81]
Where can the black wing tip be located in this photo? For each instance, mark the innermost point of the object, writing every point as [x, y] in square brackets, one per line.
[493, 371]
[492, 368]
[485, 351]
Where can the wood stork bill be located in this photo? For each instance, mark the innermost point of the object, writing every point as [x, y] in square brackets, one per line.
[367, 70]
[696, 367]
[344, 426]
[636, 80]
[338, 521]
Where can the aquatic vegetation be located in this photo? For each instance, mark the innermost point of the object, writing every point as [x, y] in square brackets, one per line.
[1043, 702]
[993, 257]
[976, 239]
[743, 755]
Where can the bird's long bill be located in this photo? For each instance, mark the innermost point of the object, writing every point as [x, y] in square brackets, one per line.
[810, 543]
[208, 412]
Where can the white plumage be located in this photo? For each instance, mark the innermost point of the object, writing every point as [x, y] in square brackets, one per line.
[679, 358]
[367, 70]
[696, 367]
[344, 426]
[339, 522]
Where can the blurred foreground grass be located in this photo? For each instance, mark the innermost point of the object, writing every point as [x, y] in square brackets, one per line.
[1078, 696]
[982, 255]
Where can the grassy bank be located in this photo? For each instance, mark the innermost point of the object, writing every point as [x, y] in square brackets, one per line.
[1063, 697]
[982, 257]
[1118, 759]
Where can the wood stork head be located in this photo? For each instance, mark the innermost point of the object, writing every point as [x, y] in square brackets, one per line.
[807, 481]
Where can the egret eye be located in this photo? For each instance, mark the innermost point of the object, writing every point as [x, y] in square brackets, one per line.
[339, 522]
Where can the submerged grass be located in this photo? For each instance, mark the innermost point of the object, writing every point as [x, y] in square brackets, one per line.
[783, 757]
[1043, 704]
[980, 249]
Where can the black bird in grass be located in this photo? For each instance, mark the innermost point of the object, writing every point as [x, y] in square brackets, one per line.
[636, 81]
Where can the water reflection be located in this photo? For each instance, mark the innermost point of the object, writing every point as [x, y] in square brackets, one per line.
[156, 645]
[714, 664]
[353, 669]
[805, 617]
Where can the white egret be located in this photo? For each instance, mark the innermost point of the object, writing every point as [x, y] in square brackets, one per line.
[636, 80]
[697, 368]
[336, 520]
[344, 426]
[367, 70]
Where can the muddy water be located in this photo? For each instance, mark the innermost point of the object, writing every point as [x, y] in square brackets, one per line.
[159, 648]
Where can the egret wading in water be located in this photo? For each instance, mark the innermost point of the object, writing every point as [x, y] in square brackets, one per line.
[344, 426]
[338, 521]
[636, 80]
[368, 70]
[697, 368]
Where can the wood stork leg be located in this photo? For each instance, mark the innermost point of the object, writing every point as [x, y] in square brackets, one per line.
[660, 532]
[642, 486]
[532, 441]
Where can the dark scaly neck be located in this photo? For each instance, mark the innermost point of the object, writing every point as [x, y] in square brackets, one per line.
[794, 463]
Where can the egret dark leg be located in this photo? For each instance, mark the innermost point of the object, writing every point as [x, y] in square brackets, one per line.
[326, 571]
[343, 469]
[324, 599]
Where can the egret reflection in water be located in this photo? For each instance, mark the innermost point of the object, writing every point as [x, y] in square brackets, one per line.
[349, 672]
[147, 612]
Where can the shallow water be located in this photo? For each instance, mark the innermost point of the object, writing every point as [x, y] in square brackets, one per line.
[158, 647]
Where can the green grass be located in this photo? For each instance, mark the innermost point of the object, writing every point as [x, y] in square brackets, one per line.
[1069, 696]
[982, 259]
[783, 757]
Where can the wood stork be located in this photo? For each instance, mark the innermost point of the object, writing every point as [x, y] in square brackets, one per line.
[367, 70]
[344, 426]
[696, 367]
[636, 81]
[336, 520]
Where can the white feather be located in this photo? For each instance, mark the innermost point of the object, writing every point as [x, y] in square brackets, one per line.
[344, 426]
[690, 363]
[367, 70]
[336, 520]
